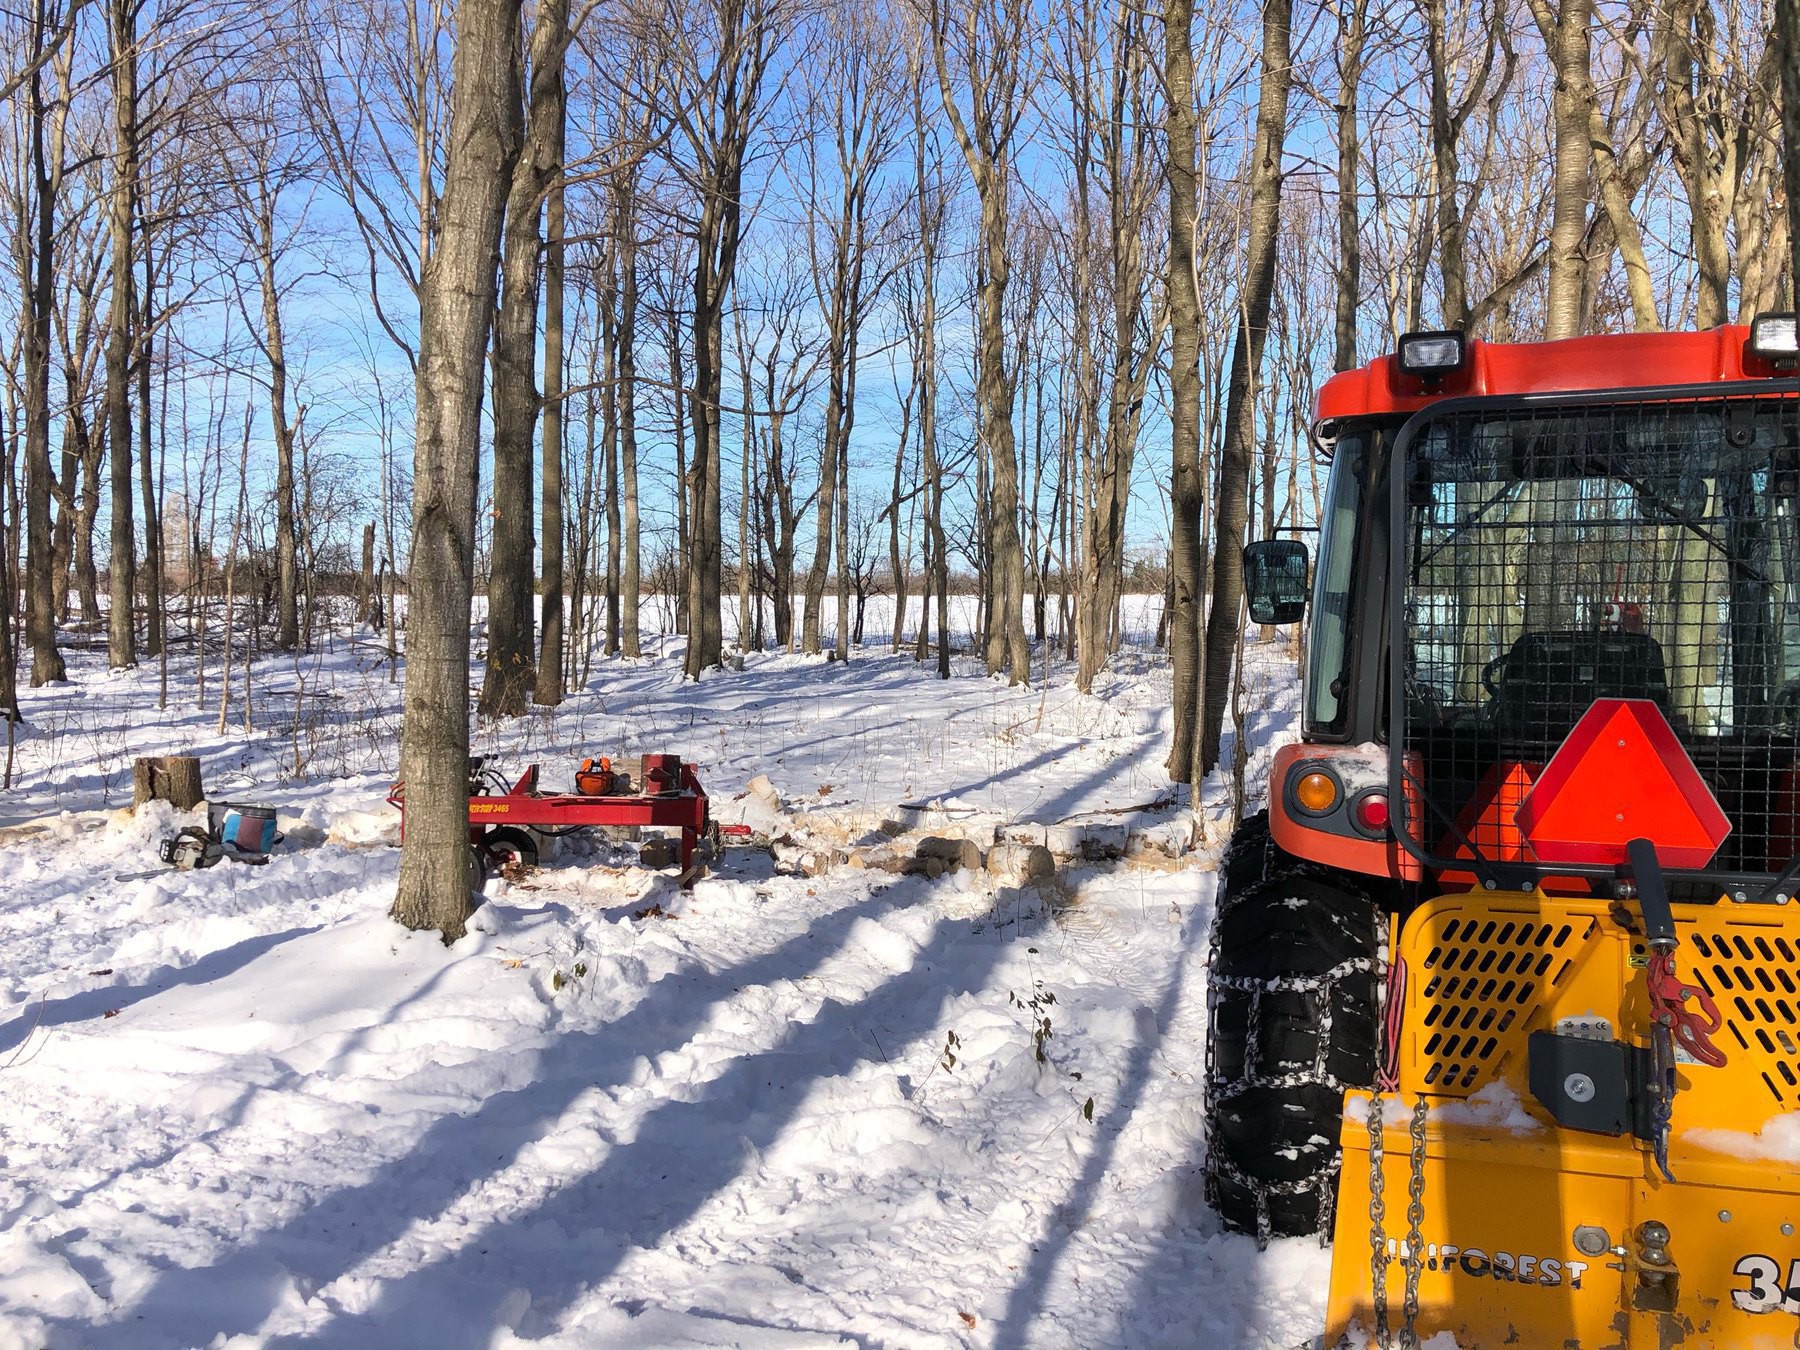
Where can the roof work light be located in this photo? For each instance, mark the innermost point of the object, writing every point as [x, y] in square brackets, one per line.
[1773, 337]
[1432, 355]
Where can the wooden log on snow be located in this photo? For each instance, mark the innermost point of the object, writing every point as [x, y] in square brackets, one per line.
[167, 778]
[952, 853]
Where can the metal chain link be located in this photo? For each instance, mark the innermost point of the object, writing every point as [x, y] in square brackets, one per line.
[1319, 990]
[1378, 1257]
[1415, 1216]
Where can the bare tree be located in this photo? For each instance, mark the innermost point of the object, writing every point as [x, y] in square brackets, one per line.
[266, 162]
[991, 41]
[34, 254]
[1566, 31]
[122, 56]
[919, 306]
[1224, 617]
[1719, 87]
[552, 107]
[456, 306]
[857, 96]
[1787, 24]
[1109, 78]
[721, 51]
[538, 124]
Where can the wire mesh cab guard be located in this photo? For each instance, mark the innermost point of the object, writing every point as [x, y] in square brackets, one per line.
[1546, 552]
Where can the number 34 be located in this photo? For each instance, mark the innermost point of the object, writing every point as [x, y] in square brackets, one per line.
[1766, 1292]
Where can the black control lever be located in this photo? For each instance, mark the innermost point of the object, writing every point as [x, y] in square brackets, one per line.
[1645, 873]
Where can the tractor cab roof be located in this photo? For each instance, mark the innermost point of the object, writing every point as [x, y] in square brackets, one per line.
[1571, 365]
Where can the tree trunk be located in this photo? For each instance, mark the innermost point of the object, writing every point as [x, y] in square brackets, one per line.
[1223, 618]
[39, 228]
[609, 453]
[1567, 34]
[704, 556]
[512, 652]
[1787, 29]
[846, 565]
[986, 141]
[167, 778]
[287, 584]
[1353, 18]
[631, 581]
[153, 562]
[1182, 611]
[91, 445]
[823, 534]
[456, 305]
[9, 572]
[368, 597]
[1447, 182]
[684, 530]
[898, 561]
[1007, 648]
[121, 647]
[548, 691]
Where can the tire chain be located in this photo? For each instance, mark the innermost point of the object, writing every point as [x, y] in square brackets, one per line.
[1318, 989]
[1216, 1094]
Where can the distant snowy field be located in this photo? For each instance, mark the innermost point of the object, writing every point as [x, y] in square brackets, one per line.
[240, 1107]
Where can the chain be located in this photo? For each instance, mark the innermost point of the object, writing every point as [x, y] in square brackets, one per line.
[1378, 1257]
[1662, 1093]
[1294, 984]
[1415, 1216]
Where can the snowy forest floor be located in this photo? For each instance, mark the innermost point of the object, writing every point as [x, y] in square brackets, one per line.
[241, 1107]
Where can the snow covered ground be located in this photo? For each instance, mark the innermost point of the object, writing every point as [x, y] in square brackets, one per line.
[241, 1107]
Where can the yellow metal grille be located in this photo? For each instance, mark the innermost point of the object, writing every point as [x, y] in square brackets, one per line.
[1481, 977]
[1487, 970]
[1749, 976]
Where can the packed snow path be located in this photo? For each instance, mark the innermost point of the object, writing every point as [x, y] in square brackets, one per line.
[240, 1107]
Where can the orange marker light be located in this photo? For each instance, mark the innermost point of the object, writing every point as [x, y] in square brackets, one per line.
[1316, 792]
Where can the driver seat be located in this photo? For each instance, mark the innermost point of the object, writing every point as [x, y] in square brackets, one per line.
[1549, 679]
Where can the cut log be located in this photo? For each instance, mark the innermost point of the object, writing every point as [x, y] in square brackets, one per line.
[952, 853]
[1020, 864]
[167, 778]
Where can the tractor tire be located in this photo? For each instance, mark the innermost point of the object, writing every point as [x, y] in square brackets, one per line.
[1250, 857]
[507, 844]
[478, 869]
[1293, 1021]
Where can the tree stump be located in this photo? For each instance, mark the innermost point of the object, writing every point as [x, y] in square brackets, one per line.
[167, 778]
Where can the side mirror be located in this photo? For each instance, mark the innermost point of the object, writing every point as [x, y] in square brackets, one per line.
[1275, 580]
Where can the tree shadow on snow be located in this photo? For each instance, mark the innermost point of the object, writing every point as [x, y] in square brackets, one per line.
[622, 1203]
[1028, 1296]
[93, 1003]
[684, 1154]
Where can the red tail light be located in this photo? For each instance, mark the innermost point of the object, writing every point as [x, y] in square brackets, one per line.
[1370, 811]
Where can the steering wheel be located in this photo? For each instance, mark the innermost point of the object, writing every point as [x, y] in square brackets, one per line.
[1490, 674]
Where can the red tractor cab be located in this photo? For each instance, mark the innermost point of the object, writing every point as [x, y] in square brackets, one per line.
[1523, 884]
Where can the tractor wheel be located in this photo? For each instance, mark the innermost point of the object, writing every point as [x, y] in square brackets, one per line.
[507, 845]
[1253, 856]
[1250, 857]
[478, 869]
[1291, 997]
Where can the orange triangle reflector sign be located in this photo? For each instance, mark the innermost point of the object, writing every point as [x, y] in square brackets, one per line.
[1621, 775]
